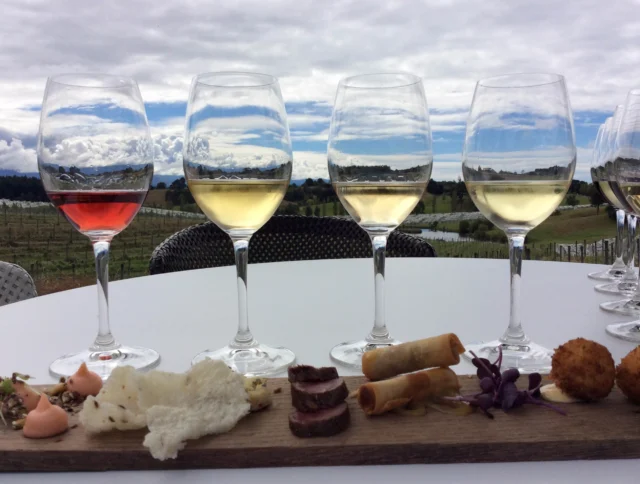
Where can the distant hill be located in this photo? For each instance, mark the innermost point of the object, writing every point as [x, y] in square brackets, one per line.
[17, 173]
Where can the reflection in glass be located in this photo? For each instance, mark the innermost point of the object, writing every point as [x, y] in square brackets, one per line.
[518, 161]
[95, 157]
[237, 162]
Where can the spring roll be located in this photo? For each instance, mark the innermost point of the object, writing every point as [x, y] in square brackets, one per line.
[382, 396]
[439, 351]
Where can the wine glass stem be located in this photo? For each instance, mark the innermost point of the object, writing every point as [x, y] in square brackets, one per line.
[379, 332]
[620, 218]
[631, 240]
[243, 338]
[514, 335]
[105, 340]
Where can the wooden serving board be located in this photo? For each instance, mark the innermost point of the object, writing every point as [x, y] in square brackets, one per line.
[606, 430]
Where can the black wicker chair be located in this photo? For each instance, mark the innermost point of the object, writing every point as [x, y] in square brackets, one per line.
[283, 238]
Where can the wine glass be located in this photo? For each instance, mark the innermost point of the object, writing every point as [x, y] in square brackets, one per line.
[518, 160]
[629, 306]
[237, 162]
[603, 176]
[627, 170]
[380, 161]
[95, 157]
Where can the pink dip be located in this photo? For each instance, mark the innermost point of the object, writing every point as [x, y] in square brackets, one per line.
[45, 420]
[84, 382]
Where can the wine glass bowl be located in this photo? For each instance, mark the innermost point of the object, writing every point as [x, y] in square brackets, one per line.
[380, 160]
[238, 160]
[95, 158]
[518, 160]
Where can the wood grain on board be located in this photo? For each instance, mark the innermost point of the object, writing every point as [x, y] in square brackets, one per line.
[606, 430]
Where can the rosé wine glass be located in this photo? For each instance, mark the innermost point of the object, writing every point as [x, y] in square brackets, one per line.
[95, 158]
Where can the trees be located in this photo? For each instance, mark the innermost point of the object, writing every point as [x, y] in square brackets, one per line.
[307, 211]
[572, 200]
[419, 208]
[595, 197]
[161, 186]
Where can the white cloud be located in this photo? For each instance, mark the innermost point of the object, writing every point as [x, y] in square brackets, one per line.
[14, 156]
[450, 43]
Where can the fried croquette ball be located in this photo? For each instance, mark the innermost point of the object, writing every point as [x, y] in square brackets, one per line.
[628, 375]
[583, 369]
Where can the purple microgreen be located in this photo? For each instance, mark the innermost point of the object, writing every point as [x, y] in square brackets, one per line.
[509, 395]
[498, 361]
[483, 365]
[511, 375]
[487, 385]
[542, 403]
[499, 389]
[535, 380]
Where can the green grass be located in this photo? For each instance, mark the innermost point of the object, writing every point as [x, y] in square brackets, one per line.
[574, 225]
[47, 246]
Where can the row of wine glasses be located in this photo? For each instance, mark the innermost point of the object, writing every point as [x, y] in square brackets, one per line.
[95, 157]
[624, 162]
[621, 276]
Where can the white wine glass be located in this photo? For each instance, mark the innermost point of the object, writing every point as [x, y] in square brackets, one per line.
[630, 306]
[380, 161]
[518, 160]
[604, 179]
[237, 162]
[624, 280]
[95, 157]
[627, 169]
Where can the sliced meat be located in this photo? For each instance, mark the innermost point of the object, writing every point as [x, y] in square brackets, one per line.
[306, 373]
[322, 423]
[309, 397]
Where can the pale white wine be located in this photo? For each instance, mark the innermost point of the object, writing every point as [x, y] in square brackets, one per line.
[632, 193]
[517, 204]
[614, 196]
[241, 206]
[379, 206]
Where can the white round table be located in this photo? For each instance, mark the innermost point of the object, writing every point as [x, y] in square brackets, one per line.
[310, 306]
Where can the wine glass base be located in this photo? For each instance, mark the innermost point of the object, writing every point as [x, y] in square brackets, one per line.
[608, 275]
[624, 306]
[526, 358]
[350, 354]
[617, 288]
[104, 362]
[629, 331]
[256, 360]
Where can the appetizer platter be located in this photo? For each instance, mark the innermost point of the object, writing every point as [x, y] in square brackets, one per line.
[409, 407]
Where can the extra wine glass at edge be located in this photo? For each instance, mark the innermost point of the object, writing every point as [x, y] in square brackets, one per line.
[95, 158]
[237, 161]
[604, 179]
[627, 170]
[629, 306]
[380, 161]
[519, 157]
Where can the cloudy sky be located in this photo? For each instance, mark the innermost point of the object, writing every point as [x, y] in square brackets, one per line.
[309, 46]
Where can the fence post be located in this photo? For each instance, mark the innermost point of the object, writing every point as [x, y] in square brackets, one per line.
[606, 252]
[122, 271]
[569, 252]
[582, 254]
[595, 251]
